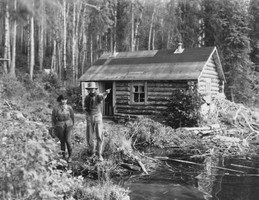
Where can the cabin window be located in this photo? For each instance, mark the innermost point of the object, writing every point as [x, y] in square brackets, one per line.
[138, 94]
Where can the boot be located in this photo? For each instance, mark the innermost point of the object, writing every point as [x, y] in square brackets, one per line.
[69, 155]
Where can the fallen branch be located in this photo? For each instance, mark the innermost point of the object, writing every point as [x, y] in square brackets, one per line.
[141, 165]
[130, 167]
[249, 124]
[193, 163]
[242, 166]
[204, 128]
[141, 154]
[6, 102]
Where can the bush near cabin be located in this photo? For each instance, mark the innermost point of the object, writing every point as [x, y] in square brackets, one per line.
[184, 108]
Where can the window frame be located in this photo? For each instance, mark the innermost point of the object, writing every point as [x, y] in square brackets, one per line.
[132, 92]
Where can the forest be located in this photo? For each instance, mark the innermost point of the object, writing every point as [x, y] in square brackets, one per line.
[67, 36]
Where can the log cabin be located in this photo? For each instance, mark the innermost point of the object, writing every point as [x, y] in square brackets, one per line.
[143, 81]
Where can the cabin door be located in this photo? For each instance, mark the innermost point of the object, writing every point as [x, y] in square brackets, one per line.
[107, 103]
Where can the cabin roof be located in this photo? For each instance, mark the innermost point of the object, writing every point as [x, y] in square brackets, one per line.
[152, 65]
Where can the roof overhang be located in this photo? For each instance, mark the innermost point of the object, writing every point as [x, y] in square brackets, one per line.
[161, 71]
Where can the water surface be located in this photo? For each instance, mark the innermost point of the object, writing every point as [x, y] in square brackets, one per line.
[189, 182]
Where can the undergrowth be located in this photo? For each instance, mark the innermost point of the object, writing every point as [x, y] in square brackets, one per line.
[30, 164]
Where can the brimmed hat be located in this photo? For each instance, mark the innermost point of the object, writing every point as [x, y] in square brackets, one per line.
[62, 97]
[91, 85]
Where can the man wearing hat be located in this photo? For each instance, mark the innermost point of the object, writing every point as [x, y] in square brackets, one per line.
[93, 107]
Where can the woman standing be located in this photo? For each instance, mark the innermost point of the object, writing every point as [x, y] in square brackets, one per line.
[63, 122]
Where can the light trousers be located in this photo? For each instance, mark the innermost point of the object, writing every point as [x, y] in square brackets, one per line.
[94, 133]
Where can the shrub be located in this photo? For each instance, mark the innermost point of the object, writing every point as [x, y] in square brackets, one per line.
[184, 108]
[75, 98]
[149, 133]
[102, 191]
[29, 164]
[12, 88]
[51, 81]
[29, 168]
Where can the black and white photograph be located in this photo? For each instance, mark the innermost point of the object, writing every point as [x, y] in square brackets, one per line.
[129, 99]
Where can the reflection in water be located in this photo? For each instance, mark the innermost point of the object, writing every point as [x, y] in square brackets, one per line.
[218, 184]
[186, 182]
[210, 179]
[153, 191]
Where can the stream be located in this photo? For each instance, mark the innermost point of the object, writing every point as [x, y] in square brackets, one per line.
[215, 178]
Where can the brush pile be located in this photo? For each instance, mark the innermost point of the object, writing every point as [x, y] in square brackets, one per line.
[231, 129]
[228, 129]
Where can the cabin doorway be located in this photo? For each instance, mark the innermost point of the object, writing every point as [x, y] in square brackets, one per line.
[108, 102]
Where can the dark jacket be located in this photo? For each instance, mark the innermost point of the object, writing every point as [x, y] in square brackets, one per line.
[63, 116]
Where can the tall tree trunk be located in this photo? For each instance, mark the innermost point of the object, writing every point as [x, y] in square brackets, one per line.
[22, 39]
[27, 42]
[115, 29]
[168, 38]
[73, 42]
[136, 38]
[54, 57]
[32, 50]
[65, 39]
[111, 41]
[132, 27]
[151, 29]
[84, 41]
[12, 68]
[106, 42]
[41, 36]
[41, 46]
[7, 39]
[77, 40]
[84, 53]
[59, 52]
[91, 50]
[153, 40]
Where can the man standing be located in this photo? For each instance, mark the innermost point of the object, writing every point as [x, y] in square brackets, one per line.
[93, 107]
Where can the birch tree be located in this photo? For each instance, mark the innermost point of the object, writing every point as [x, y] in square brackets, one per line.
[41, 34]
[32, 48]
[64, 12]
[132, 26]
[7, 38]
[151, 28]
[13, 60]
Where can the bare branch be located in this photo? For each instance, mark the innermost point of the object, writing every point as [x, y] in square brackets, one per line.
[92, 6]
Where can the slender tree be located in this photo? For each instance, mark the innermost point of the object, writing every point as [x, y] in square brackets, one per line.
[7, 38]
[32, 48]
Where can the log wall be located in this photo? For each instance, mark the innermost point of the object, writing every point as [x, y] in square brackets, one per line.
[209, 72]
[158, 94]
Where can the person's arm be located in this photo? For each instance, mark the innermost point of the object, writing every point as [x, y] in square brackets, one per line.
[72, 116]
[53, 117]
[104, 95]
